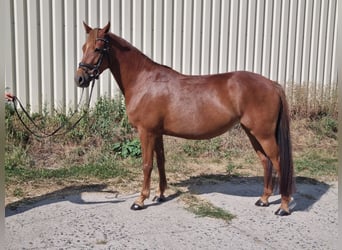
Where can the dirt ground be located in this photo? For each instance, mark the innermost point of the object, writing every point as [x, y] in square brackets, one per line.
[95, 217]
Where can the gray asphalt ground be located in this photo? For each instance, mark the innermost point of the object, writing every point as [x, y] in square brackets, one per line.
[97, 219]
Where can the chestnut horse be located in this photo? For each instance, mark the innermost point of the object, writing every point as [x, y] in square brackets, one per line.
[161, 101]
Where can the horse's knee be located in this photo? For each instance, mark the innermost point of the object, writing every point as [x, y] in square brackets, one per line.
[147, 169]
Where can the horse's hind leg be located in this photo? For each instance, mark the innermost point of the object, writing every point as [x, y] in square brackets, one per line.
[271, 149]
[268, 180]
[159, 149]
[268, 170]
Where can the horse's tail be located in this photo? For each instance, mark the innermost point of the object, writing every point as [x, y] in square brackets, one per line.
[286, 180]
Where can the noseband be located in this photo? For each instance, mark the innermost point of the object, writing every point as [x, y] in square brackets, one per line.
[94, 70]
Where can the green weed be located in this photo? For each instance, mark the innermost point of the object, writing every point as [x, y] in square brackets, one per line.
[128, 148]
[16, 157]
[18, 192]
[203, 208]
[211, 147]
[100, 170]
[231, 169]
[325, 126]
[316, 164]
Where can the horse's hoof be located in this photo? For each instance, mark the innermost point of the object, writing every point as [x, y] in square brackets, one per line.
[159, 199]
[282, 212]
[136, 207]
[260, 203]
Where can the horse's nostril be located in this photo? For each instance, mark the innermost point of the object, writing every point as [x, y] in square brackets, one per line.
[79, 80]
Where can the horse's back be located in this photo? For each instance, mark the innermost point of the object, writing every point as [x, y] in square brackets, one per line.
[207, 106]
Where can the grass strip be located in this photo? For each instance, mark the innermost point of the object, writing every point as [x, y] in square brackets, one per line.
[203, 208]
[97, 170]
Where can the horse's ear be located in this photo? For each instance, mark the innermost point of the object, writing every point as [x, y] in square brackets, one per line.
[86, 27]
[106, 28]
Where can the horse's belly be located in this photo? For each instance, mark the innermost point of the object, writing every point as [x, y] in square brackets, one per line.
[199, 126]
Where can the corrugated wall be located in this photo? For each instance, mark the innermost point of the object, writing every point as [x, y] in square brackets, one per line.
[290, 41]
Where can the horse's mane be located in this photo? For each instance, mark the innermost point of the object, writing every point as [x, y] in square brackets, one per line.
[124, 45]
[120, 43]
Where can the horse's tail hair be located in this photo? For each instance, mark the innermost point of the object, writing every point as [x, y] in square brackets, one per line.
[287, 180]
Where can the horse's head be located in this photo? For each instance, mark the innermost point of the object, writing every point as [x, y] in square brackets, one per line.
[95, 56]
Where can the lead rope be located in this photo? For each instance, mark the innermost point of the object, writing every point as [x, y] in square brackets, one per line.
[42, 134]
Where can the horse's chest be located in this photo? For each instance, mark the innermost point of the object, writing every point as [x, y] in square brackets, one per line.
[143, 113]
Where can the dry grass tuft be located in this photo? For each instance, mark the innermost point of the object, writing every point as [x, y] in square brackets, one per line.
[308, 101]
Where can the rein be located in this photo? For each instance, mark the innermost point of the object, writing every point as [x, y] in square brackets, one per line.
[93, 72]
[42, 134]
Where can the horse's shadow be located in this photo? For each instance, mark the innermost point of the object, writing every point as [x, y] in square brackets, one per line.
[308, 190]
[72, 194]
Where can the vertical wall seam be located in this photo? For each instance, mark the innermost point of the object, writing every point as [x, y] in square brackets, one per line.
[13, 48]
[162, 33]
[153, 31]
[318, 45]
[201, 38]
[279, 41]
[246, 37]
[75, 49]
[27, 71]
[63, 57]
[307, 77]
[333, 58]
[228, 36]
[51, 94]
[220, 48]
[238, 30]
[39, 58]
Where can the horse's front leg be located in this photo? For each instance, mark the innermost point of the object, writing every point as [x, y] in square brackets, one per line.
[159, 149]
[147, 141]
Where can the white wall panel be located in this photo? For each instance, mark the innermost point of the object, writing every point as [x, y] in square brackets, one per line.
[34, 65]
[106, 85]
[177, 45]
[21, 84]
[187, 37]
[58, 47]
[197, 37]
[251, 35]
[224, 36]
[168, 33]
[70, 53]
[290, 41]
[215, 36]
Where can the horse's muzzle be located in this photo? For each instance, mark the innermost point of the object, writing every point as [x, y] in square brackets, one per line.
[82, 79]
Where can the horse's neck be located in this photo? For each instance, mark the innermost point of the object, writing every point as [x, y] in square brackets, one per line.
[126, 62]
